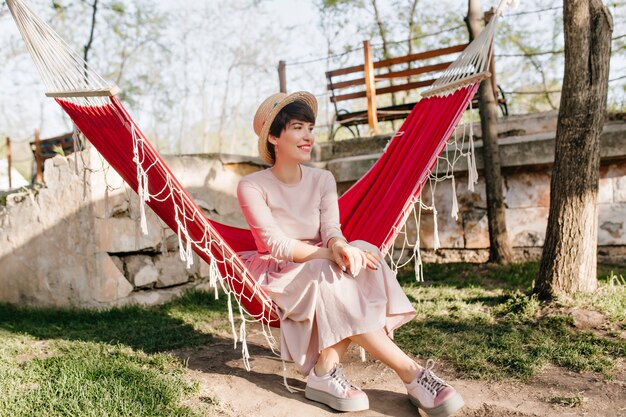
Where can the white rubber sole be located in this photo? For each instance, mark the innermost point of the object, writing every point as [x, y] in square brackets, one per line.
[339, 404]
[446, 409]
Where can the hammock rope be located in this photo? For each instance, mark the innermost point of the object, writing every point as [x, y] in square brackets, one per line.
[385, 196]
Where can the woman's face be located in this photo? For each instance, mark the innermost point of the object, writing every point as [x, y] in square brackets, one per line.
[295, 142]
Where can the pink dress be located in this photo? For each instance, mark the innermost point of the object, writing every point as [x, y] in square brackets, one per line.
[319, 305]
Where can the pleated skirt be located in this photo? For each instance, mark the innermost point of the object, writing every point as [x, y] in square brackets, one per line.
[319, 305]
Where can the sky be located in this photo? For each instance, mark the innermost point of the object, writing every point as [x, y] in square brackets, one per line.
[216, 60]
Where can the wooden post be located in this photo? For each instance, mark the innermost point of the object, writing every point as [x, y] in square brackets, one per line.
[282, 77]
[370, 88]
[38, 162]
[9, 161]
[492, 65]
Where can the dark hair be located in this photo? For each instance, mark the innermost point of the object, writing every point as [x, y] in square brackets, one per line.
[297, 110]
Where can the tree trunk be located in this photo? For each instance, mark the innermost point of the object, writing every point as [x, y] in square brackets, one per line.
[568, 262]
[499, 246]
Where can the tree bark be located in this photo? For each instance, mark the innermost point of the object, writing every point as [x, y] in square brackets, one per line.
[499, 246]
[568, 262]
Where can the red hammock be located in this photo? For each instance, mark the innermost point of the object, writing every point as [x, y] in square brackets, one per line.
[373, 209]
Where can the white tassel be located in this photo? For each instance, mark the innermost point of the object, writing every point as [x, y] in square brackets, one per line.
[142, 211]
[231, 319]
[244, 345]
[362, 354]
[419, 266]
[436, 242]
[188, 253]
[214, 275]
[472, 172]
[291, 390]
[181, 249]
[455, 204]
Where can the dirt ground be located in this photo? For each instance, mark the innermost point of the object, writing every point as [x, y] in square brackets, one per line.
[227, 389]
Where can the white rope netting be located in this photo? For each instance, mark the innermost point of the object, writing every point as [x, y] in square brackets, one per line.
[406, 248]
[473, 64]
[64, 72]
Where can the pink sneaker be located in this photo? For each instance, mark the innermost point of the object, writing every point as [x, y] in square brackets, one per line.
[334, 390]
[433, 395]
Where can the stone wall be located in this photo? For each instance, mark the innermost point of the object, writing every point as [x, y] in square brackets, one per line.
[73, 243]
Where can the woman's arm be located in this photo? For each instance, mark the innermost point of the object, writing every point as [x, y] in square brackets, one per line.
[303, 252]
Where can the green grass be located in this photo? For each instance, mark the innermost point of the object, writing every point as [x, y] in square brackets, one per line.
[75, 362]
[479, 319]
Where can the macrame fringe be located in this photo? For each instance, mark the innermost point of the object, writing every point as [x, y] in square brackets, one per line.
[436, 243]
[188, 252]
[231, 319]
[455, 205]
[214, 276]
[244, 344]
[181, 251]
[362, 352]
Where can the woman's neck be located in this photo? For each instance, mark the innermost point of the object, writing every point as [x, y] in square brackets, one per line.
[287, 173]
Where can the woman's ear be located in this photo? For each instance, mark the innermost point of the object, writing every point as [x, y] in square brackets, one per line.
[272, 139]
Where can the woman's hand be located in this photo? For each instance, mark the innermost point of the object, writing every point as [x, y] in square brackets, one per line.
[352, 259]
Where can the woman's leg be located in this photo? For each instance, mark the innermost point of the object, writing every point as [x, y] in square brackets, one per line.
[381, 347]
[330, 356]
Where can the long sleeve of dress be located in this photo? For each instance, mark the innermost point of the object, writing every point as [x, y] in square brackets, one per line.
[329, 210]
[262, 223]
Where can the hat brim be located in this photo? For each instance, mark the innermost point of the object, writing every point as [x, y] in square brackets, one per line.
[303, 96]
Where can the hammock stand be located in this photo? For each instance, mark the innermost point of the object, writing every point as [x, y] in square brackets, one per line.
[374, 209]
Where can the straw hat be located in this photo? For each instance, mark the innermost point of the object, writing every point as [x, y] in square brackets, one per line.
[268, 110]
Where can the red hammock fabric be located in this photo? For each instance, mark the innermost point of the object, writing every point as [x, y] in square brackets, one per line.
[372, 209]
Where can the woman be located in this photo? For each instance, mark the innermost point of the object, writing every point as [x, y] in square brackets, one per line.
[330, 292]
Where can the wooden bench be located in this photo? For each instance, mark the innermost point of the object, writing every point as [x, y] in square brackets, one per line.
[48, 148]
[346, 85]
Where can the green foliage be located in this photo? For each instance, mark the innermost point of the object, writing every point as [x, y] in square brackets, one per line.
[58, 150]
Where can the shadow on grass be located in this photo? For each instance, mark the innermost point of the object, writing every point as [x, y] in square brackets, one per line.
[151, 329]
[508, 348]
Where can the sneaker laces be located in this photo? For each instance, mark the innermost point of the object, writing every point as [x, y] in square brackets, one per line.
[337, 375]
[429, 380]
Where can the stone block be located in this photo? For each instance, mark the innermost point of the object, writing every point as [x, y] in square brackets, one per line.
[619, 189]
[141, 270]
[527, 189]
[155, 297]
[605, 191]
[527, 226]
[173, 271]
[122, 234]
[476, 229]
[112, 283]
[611, 224]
